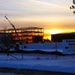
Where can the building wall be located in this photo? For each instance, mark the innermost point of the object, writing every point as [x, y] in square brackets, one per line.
[60, 37]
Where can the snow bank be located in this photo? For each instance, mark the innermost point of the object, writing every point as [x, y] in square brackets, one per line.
[60, 65]
[47, 47]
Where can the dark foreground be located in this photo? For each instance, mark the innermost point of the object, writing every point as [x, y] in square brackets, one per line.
[31, 72]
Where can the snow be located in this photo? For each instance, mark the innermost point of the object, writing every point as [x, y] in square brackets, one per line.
[66, 46]
[45, 62]
[52, 46]
[7, 74]
[47, 47]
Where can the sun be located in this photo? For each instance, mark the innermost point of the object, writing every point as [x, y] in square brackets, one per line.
[54, 31]
[48, 33]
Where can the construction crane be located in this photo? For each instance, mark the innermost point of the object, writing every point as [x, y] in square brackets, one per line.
[17, 37]
[13, 28]
[17, 46]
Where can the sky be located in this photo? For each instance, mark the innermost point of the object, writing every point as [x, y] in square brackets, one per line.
[53, 15]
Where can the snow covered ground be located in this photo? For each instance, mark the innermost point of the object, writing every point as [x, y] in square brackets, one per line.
[7, 74]
[39, 62]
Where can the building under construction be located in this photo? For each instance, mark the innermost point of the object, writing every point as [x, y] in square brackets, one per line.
[27, 34]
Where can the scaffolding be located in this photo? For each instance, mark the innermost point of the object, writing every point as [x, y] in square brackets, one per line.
[27, 34]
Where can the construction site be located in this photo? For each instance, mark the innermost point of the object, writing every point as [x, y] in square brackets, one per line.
[27, 34]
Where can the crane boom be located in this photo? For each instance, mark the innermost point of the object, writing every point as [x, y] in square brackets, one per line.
[17, 46]
[13, 27]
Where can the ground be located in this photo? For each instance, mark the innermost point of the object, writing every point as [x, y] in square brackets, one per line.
[37, 64]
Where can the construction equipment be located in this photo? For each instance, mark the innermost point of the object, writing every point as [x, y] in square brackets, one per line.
[17, 46]
[13, 28]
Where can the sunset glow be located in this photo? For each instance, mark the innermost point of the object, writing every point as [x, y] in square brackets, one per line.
[54, 31]
[54, 16]
[48, 32]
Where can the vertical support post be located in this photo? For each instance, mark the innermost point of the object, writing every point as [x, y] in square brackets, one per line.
[56, 49]
[22, 50]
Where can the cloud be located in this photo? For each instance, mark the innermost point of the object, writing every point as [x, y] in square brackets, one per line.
[50, 3]
[32, 7]
[42, 10]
